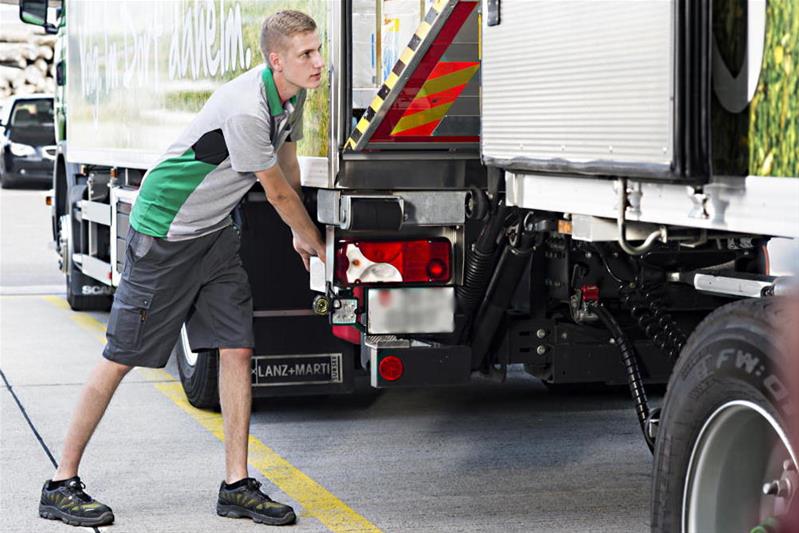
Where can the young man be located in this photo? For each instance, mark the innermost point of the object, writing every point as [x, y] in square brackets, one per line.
[182, 261]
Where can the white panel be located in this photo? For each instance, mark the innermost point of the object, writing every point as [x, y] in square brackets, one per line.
[317, 282]
[755, 204]
[313, 171]
[95, 268]
[127, 196]
[96, 212]
[580, 82]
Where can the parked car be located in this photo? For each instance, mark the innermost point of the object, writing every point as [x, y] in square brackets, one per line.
[27, 145]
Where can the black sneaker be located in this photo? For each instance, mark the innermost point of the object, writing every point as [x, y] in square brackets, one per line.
[244, 499]
[67, 502]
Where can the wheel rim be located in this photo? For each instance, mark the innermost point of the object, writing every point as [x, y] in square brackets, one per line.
[739, 449]
[189, 356]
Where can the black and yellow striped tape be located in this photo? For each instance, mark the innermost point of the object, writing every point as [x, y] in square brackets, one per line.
[385, 96]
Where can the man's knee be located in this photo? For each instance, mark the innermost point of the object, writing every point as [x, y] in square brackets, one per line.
[240, 355]
[116, 368]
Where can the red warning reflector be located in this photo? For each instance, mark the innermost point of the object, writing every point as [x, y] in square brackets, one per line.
[590, 293]
[391, 368]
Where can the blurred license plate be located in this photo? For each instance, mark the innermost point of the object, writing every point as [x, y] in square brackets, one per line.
[411, 310]
[296, 369]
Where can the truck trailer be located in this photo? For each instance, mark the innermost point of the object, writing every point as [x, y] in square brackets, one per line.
[584, 189]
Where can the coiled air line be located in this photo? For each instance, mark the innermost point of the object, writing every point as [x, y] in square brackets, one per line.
[647, 420]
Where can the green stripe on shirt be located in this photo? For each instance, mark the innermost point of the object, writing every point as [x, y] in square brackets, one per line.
[165, 190]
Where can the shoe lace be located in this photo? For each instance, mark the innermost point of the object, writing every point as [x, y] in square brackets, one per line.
[75, 488]
[255, 486]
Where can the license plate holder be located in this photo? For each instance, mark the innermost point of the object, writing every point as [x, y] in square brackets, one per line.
[302, 369]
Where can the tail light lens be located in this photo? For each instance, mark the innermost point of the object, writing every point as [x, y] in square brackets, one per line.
[414, 261]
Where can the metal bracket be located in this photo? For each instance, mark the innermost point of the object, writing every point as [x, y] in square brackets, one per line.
[733, 284]
[416, 208]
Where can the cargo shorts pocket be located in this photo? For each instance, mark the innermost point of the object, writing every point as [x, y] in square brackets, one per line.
[138, 245]
[129, 314]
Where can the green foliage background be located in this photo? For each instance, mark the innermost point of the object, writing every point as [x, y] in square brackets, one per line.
[774, 111]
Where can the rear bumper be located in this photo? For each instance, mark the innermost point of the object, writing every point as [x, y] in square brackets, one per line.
[422, 365]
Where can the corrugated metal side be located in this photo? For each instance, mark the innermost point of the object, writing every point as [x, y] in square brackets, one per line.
[579, 83]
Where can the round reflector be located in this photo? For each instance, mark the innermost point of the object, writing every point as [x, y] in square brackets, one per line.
[391, 368]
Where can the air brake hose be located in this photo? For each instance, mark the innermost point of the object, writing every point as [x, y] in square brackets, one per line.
[480, 262]
[500, 291]
[630, 360]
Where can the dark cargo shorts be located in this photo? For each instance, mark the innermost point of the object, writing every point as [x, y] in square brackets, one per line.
[164, 283]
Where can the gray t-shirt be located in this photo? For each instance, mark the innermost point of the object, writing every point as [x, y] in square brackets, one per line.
[191, 191]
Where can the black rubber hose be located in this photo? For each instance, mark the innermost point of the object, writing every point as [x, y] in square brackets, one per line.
[480, 262]
[500, 291]
[630, 360]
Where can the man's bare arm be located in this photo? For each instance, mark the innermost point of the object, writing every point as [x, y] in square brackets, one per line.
[287, 203]
[287, 158]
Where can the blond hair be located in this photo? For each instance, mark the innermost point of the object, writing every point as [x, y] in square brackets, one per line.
[278, 28]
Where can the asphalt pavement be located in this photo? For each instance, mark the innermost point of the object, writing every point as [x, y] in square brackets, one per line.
[482, 458]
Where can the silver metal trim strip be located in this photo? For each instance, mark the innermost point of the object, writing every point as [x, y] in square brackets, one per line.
[282, 313]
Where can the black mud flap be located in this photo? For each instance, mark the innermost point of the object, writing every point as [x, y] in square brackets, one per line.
[295, 351]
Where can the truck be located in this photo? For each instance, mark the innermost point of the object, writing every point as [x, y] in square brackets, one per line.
[582, 189]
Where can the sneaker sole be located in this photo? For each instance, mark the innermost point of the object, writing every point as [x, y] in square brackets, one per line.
[234, 511]
[53, 513]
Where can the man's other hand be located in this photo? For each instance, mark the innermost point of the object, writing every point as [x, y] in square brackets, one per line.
[308, 249]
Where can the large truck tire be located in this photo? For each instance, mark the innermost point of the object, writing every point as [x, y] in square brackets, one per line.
[723, 434]
[83, 293]
[199, 373]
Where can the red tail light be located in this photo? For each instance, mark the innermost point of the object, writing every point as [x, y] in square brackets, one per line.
[417, 261]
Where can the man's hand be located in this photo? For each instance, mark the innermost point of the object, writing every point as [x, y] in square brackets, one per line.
[309, 249]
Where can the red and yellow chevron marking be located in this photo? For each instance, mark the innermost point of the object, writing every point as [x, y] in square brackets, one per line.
[439, 91]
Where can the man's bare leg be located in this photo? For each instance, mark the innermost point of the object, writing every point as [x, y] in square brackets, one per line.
[235, 395]
[94, 399]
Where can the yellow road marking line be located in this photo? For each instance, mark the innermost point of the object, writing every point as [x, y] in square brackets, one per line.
[83, 320]
[316, 500]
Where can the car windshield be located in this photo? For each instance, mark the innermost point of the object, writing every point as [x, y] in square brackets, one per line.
[32, 122]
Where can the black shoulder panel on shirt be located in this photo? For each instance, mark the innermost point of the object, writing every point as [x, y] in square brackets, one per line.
[211, 148]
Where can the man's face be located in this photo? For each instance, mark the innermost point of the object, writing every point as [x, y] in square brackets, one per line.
[301, 61]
